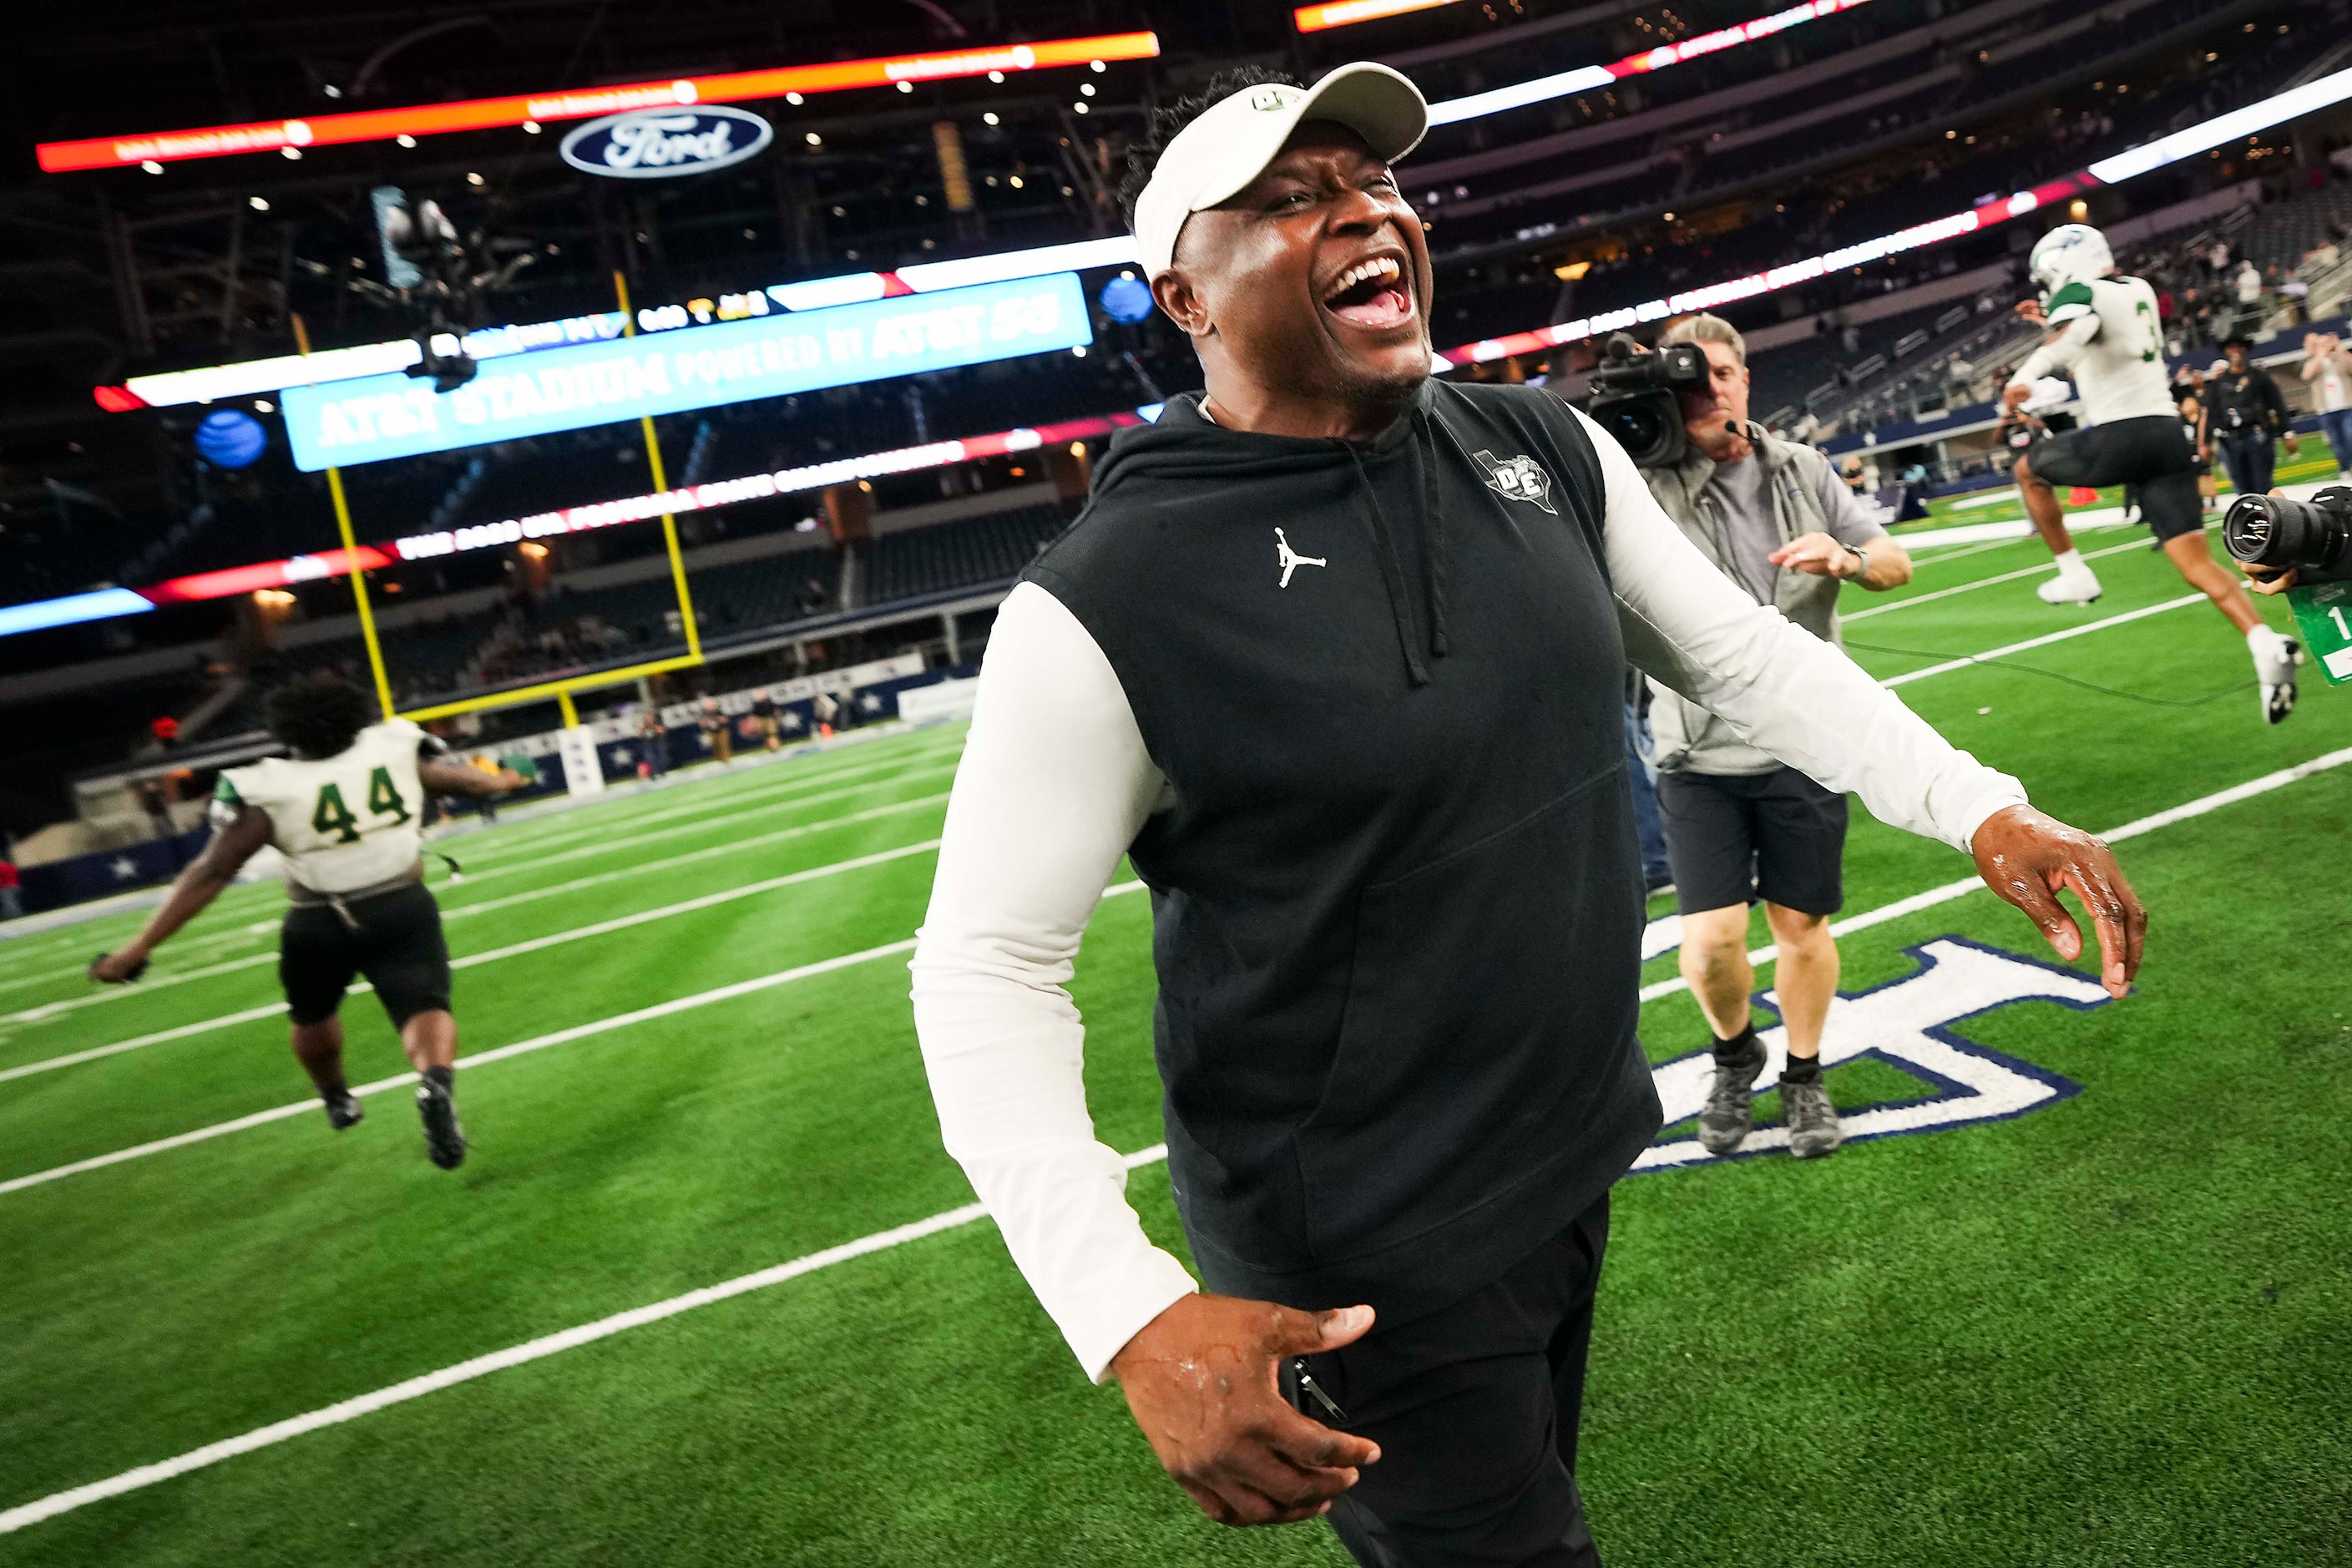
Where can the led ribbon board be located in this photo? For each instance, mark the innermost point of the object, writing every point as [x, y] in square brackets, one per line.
[378, 417]
[1584, 79]
[1348, 12]
[583, 103]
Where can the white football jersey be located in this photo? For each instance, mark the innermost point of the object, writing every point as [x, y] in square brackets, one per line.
[2111, 342]
[345, 822]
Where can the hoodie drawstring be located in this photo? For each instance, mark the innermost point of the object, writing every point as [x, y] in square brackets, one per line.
[1433, 554]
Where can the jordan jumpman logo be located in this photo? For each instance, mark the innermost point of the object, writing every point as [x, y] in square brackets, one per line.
[1290, 559]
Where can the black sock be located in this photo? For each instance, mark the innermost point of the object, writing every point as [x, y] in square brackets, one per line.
[331, 1092]
[440, 1078]
[1739, 1045]
[1803, 1069]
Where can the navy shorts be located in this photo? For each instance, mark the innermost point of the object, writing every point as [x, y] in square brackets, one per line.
[1735, 838]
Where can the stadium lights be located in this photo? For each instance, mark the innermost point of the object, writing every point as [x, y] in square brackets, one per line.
[1586, 78]
[2188, 144]
[290, 136]
[1348, 12]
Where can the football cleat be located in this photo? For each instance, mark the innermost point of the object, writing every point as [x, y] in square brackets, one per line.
[445, 1141]
[2275, 670]
[1729, 1113]
[2070, 588]
[344, 1109]
[1811, 1120]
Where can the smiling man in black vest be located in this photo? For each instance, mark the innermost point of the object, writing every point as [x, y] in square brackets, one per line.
[1335, 656]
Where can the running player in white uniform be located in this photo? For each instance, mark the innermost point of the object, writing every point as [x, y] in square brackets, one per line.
[2109, 339]
[345, 811]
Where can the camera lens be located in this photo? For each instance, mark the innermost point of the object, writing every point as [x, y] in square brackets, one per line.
[2277, 533]
[1640, 428]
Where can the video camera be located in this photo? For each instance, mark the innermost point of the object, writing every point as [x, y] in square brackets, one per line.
[1633, 397]
[2312, 539]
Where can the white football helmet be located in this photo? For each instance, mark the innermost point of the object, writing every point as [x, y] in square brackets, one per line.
[2071, 253]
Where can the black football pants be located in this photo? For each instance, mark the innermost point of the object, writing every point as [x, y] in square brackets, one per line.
[1475, 1409]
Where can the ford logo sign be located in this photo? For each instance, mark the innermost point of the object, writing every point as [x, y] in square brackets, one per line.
[657, 144]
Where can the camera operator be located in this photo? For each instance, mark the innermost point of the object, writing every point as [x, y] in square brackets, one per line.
[2246, 413]
[1774, 517]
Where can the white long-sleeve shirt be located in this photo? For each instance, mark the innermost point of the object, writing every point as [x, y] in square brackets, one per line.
[1055, 783]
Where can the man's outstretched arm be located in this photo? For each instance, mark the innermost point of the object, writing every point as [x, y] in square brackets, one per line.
[457, 778]
[195, 887]
[1789, 693]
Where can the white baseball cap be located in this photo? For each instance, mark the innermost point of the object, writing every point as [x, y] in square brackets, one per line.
[1235, 138]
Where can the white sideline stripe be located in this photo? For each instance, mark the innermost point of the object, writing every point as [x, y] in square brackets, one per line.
[2134, 829]
[2085, 629]
[521, 1047]
[2041, 571]
[49, 1010]
[546, 1345]
[140, 1042]
[555, 939]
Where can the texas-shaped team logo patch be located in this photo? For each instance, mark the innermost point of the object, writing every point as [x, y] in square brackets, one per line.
[1908, 1025]
[1517, 479]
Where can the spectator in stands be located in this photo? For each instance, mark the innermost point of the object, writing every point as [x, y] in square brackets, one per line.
[1740, 826]
[2247, 413]
[11, 898]
[2329, 367]
[2249, 287]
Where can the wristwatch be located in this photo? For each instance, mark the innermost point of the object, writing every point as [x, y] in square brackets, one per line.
[1859, 554]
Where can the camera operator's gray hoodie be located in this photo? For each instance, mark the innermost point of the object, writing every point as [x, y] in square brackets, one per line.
[1689, 738]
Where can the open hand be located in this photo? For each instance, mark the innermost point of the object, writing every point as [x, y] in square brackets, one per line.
[2027, 857]
[2031, 310]
[1199, 1378]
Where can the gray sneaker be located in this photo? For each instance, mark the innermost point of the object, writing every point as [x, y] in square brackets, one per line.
[1722, 1125]
[1811, 1120]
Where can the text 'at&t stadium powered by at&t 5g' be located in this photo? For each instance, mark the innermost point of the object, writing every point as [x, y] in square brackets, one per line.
[1718, 631]
[385, 417]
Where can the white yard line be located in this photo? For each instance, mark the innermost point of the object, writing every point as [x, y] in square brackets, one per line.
[2085, 629]
[2044, 569]
[546, 1345]
[278, 1432]
[2134, 829]
[48, 1010]
[536, 944]
[484, 1058]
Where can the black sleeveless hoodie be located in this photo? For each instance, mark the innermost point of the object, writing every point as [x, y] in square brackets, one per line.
[1397, 903]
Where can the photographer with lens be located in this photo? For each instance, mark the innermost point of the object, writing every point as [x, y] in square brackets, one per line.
[1774, 517]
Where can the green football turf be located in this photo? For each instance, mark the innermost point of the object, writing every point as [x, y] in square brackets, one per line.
[2116, 1328]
